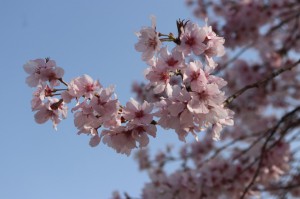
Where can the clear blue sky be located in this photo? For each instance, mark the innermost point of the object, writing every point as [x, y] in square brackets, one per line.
[93, 37]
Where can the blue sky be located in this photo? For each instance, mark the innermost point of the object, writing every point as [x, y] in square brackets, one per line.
[84, 37]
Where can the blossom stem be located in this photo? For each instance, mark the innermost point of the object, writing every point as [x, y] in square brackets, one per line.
[166, 39]
[62, 89]
[162, 35]
[62, 81]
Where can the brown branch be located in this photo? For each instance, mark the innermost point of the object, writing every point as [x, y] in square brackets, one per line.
[287, 187]
[263, 150]
[259, 83]
[222, 148]
[282, 23]
[243, 152]
[264, 147]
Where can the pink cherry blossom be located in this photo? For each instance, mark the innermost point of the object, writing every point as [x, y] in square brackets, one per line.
[255, 159]
[66, 96]
[43, 91]
[173, 61]
[214, 47]
[178, 101]
[212, 79]
[53, 109]
[53, 75]
[125, 138]
[194, 76]
[140, 132]
[149, 42]
[159, 77]
[174, 114]
[167, 121]
[83, 86]
[202, 101]
[215, 44]
[192, 39]
[106, 107]
[84, 118]
[146, 92]
[95, 139]
[42, 70]
[138, 113]
[120, 139]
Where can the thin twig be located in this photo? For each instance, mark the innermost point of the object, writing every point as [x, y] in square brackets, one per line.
[222, 148]
[237, 55]
[259, 83]
[287, 187]
[282, 23]
[243, 152]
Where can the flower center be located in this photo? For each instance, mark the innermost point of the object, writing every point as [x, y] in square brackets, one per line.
[203, 95]
[52, 76]
[195, 76]
[190, 41]
[164, 77]
[152, 43]
[48, 91]
[171, 62]
[89, 87]
[139, 114]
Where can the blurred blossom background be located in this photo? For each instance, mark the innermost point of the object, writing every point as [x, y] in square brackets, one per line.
[83, 37]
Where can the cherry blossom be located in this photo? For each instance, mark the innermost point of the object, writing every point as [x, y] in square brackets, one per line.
[105, 106]
[53, 109]
[209, 96]
[43, 91]
[138, 113]
[125, 138]
[194, 76]
[159, 77]
[84, 118]
[149, 42]
[246, 110]
[83, 86]
[173, 60]
[192, 39]
[42, 70]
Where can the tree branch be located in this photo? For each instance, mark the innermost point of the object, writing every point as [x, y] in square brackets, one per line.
[264, 147]
[259, 83]
[236, 56]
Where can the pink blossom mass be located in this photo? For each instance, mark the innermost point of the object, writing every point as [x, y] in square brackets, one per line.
[231, 85]
[186, 97]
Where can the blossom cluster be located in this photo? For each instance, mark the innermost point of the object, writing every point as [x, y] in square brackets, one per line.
[256, 158]
[259, 157]
[219, 177]
[242, 20]
[189, 98]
